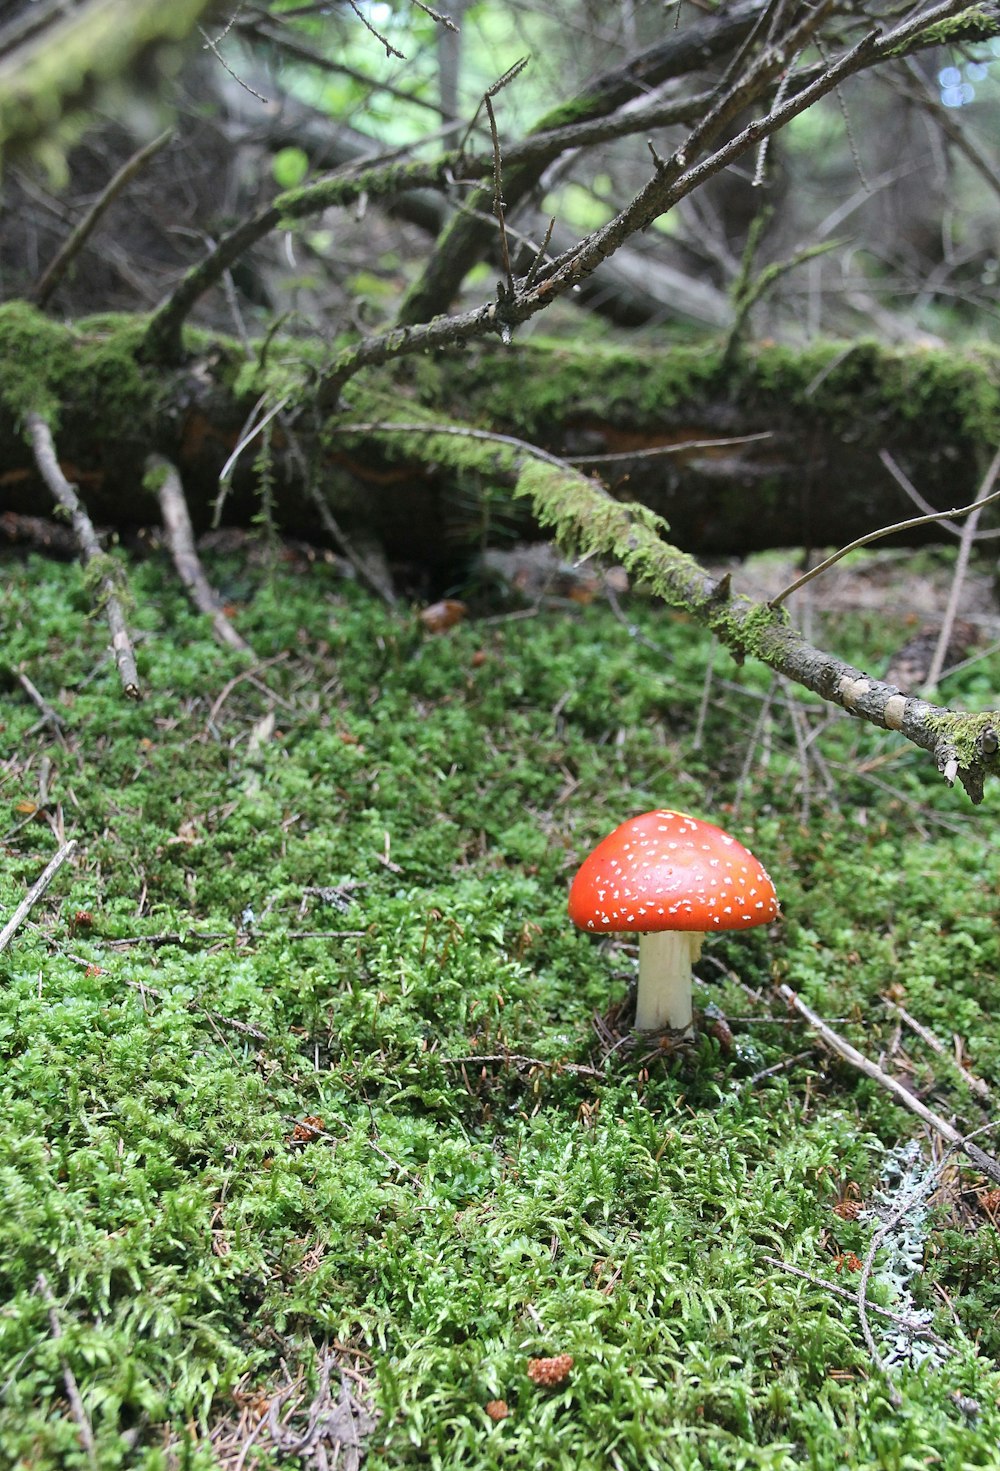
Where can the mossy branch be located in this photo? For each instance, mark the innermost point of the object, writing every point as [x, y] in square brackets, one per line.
[585, 517]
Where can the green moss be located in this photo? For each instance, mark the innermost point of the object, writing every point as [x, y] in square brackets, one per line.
[977, 23]
[965, 732]
[32, 350]
[538, 389]
[91, 365]
[748, 627]
[454, 1219]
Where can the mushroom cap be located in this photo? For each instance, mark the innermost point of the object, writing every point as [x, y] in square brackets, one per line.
[668, 871]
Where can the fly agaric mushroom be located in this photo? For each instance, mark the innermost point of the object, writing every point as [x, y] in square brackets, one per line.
[673, 879]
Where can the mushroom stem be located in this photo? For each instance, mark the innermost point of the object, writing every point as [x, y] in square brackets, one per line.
[664, 998]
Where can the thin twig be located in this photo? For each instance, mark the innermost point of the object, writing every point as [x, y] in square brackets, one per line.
[682, 447]
[80, 1415]
[380, 586]
[436, 15]
[843, 1048]
[231, 684]
[65, 496]
[180, 539]
[212, 1017]
[390, 50]
[49, 716]
[958, 577]
[541, 254]
[871, 536]
[35, 893]
[507, 1058]
[909, 1325]
[251, 430]
[64, 257]
[908, 488]
[498, 195]
[706, 693]
[936, 1045]
[906, 485]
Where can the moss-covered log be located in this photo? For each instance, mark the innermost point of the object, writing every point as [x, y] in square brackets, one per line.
[638, 419]
[392, 458]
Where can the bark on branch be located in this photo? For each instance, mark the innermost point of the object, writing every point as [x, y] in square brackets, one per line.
[180, 539]
[94, 558]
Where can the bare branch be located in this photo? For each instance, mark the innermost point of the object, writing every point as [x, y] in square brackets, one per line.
[180, 539]
[36, 891]
[65, 496]
[843, 1048]
[54, 272]
[936, 1045]
[670, 183]
[863, 541]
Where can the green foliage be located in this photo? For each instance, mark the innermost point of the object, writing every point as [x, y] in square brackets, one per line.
[289, 166]
[404, 834]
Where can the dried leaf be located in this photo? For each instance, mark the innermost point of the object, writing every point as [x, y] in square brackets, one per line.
[439, 617]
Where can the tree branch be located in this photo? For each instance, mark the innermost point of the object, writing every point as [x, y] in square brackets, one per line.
[673, 180]
[65, 496]
[64, 257]
[466, 239]
[582, 514]
[180, 539]
[843, 1048]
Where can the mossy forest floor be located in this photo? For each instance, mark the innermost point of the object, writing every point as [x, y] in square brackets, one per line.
[309, 1128]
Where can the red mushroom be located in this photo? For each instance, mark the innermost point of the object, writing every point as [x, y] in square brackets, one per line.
[673, 879]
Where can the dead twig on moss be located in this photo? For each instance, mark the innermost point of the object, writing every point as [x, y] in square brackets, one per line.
[843, 1048]
[908, 1325]
[336, 1424]
[936, 1045]
[36, 891]
[76, 1404]
[49, 716]
[180, 539]
[515, 1059]
[64, 494]
[370, 569]
[214, 1018]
